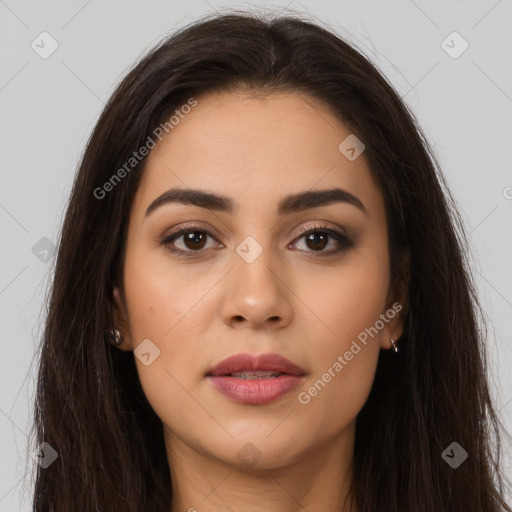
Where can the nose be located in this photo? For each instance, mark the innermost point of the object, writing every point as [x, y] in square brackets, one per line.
[257, 294]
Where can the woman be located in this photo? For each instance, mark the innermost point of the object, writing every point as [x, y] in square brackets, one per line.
[261, 299]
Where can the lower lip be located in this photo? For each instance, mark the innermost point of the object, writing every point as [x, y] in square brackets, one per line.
[255, 391]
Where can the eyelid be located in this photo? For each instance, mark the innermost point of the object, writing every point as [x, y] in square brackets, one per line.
[336, 232]
[189, 226]
[302, 230]
[325, 225]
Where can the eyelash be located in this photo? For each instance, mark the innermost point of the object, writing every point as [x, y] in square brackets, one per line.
[336, 235]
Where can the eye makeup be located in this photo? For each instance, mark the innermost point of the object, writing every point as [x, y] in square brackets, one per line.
[319, 234]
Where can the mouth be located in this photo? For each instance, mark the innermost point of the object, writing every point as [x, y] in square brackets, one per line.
[245, 365]
[255, 380]
[259, 374]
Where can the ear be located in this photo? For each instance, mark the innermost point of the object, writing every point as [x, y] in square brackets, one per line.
[397, 303]
[120, 317]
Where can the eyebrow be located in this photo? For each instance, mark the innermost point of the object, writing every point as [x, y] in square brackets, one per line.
[290, 204]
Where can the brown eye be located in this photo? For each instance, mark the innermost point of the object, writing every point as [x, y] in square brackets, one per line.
[194, 240]
[318, 238]
[188, 241]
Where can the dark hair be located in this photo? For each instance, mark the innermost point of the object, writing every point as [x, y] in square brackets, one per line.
[90, 406]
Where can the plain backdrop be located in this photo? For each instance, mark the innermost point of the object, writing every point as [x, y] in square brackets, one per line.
[49, 106]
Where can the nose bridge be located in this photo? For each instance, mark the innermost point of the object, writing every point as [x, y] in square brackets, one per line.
[252, 264]
[256, 292]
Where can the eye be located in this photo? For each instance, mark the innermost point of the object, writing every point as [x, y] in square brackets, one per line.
[192, 239]
[316, 239]
[188, 240]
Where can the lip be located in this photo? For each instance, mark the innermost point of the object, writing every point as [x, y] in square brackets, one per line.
[257, 391]
[248, 362]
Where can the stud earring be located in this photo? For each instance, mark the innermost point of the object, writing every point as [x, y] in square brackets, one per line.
[395, 347]
[114, 337]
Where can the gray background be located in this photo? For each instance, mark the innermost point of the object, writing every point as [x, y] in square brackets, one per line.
[49, 107]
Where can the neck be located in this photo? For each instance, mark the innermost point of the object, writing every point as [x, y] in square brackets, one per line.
[315, 481]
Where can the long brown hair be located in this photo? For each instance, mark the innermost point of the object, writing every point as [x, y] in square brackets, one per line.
[90, 406]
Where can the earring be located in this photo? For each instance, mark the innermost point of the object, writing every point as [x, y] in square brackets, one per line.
[395, 348]
[114, 337]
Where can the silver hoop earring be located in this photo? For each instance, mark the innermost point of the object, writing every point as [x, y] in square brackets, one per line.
[395, 347]
[114, 337]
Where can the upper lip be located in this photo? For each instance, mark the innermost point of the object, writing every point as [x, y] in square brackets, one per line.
[247, 362]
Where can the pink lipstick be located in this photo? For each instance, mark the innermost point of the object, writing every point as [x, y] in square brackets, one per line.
[255, 379]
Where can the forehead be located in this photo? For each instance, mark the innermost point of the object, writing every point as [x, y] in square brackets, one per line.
[255, 149]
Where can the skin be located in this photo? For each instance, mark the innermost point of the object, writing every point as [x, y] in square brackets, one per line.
[292, 301]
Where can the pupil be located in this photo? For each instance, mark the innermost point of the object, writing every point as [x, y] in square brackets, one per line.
[192, 239]
[195, 238]
[314, 237]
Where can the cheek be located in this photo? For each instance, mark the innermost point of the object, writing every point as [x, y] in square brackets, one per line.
[159, 313]
[165, 307]
[161, 296]
[350, 297]
[348, 303]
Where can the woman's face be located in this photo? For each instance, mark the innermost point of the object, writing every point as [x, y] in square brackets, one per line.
[244, 278]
